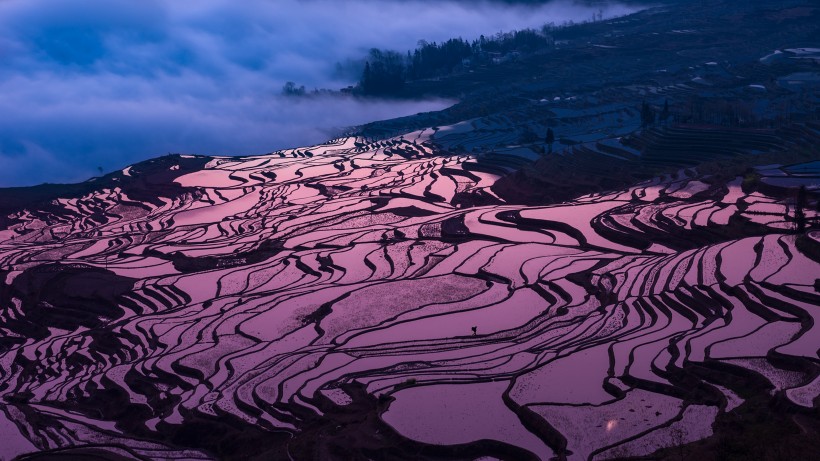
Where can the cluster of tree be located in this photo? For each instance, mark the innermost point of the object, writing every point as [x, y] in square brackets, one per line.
[527, 41]
[733, 113]
[290, 89]
[649, 116]
[431, 59]
[727, 112]
[385, 72]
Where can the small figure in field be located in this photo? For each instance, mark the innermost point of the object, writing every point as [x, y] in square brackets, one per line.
[475, 331]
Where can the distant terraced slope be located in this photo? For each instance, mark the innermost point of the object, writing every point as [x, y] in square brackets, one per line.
[351, 301]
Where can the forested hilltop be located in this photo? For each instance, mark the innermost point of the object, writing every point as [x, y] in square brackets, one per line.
[384, 72]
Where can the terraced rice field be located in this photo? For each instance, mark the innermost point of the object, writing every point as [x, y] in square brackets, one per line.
[312, 289]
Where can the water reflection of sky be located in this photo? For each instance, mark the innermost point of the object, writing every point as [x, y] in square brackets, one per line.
[611, 425]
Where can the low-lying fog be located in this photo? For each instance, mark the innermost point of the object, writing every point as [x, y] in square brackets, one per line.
[105, 83]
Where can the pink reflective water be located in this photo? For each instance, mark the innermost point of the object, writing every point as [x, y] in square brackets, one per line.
[453, 414]
[356, 266]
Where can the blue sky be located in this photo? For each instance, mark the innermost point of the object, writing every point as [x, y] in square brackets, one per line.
[88, 83]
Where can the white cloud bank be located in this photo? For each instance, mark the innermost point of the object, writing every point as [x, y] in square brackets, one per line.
[88, 83]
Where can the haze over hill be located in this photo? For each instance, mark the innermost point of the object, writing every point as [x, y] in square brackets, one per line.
[107, 83]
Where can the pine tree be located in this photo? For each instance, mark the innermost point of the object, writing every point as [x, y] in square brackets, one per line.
[647, 114]
[367, 78]
[550, 139]
[799, 213]
[665, 112]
